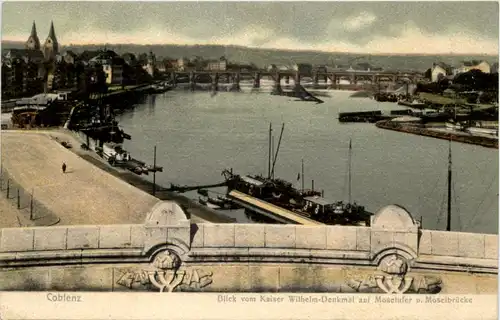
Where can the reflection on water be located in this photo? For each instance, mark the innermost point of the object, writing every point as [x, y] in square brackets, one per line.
[198, 135]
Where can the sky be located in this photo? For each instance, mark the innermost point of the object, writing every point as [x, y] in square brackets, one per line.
[424, 27]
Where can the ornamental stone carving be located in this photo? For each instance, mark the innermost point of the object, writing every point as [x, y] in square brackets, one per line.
[392, 277]
[165, 275]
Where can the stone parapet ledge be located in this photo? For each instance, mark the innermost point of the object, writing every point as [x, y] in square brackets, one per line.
[71, 257]
[393, 232]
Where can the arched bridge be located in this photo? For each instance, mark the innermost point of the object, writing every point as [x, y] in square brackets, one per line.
[169, 253]
[234, 77]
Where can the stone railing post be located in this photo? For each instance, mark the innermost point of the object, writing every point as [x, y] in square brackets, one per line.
[393, 230]
[166, 224]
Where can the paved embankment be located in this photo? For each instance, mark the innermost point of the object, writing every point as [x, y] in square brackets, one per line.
[8, 214]
[83, 195]
[440, 134]
[195, 211]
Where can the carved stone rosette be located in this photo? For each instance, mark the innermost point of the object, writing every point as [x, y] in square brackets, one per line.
[166, 275]
[392, 277]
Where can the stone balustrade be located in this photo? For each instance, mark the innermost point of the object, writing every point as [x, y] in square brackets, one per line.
[167, 224]
[393, 244]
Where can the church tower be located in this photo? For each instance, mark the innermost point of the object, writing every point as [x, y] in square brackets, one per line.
[51, 46]
[33, 42]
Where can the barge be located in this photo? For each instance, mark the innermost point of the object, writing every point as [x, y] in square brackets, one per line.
[278, 198]
[118, 157]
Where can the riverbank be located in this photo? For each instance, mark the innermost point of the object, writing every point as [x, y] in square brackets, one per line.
[440, 134]
[83, 195]
[195, 211]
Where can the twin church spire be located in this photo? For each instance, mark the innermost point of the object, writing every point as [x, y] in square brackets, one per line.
[50, 48]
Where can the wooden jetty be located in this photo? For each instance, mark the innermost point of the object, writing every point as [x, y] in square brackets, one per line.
[362, 116]
[269, 210]
[372, 116]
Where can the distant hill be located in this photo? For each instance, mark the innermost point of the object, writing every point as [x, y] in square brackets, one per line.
[264, 57]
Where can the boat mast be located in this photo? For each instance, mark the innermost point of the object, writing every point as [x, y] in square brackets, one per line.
[302, 175]
[270, 151]
[277, 150]
[448, 220]
[350, 158]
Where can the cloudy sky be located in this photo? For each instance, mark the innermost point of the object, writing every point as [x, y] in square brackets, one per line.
[368, 27]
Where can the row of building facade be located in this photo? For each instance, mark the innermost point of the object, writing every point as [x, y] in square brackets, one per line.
[40, 67]
[442, 70]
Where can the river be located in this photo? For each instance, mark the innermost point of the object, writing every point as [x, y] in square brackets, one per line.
[198, 135]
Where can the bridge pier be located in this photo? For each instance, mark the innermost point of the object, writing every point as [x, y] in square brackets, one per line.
[236, 82]
[352, 79]
[333, 78]
[256, 80]
[277, 83]
[215, 82]
[173, 78]
[192, 81]
[315, 79]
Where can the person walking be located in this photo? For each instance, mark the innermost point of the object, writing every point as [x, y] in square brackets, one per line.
[64, 167]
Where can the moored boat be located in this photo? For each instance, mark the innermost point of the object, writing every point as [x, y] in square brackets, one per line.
[308, 203]
[119, 157]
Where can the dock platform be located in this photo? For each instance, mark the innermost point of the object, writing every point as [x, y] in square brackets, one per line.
[269, 210]
[488, 142]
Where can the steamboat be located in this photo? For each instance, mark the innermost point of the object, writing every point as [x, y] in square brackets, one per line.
[308, 203]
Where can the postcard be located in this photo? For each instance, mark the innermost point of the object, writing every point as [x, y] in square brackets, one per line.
[249, 160]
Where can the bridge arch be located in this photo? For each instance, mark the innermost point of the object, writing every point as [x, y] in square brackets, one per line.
[203, 77]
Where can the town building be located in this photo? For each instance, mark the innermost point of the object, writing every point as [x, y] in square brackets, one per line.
[494, 68]
[129, 59]
[474, 65]
[217, 65]
[70, 57]
[33, 42]
[23, 70]
[182, 64]
[112, 65]
[88, 55]
[303, 68]
[151, 64]
[51, 46]
[440, 70]
[160, 66]
[285, 68]
[171, 64]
